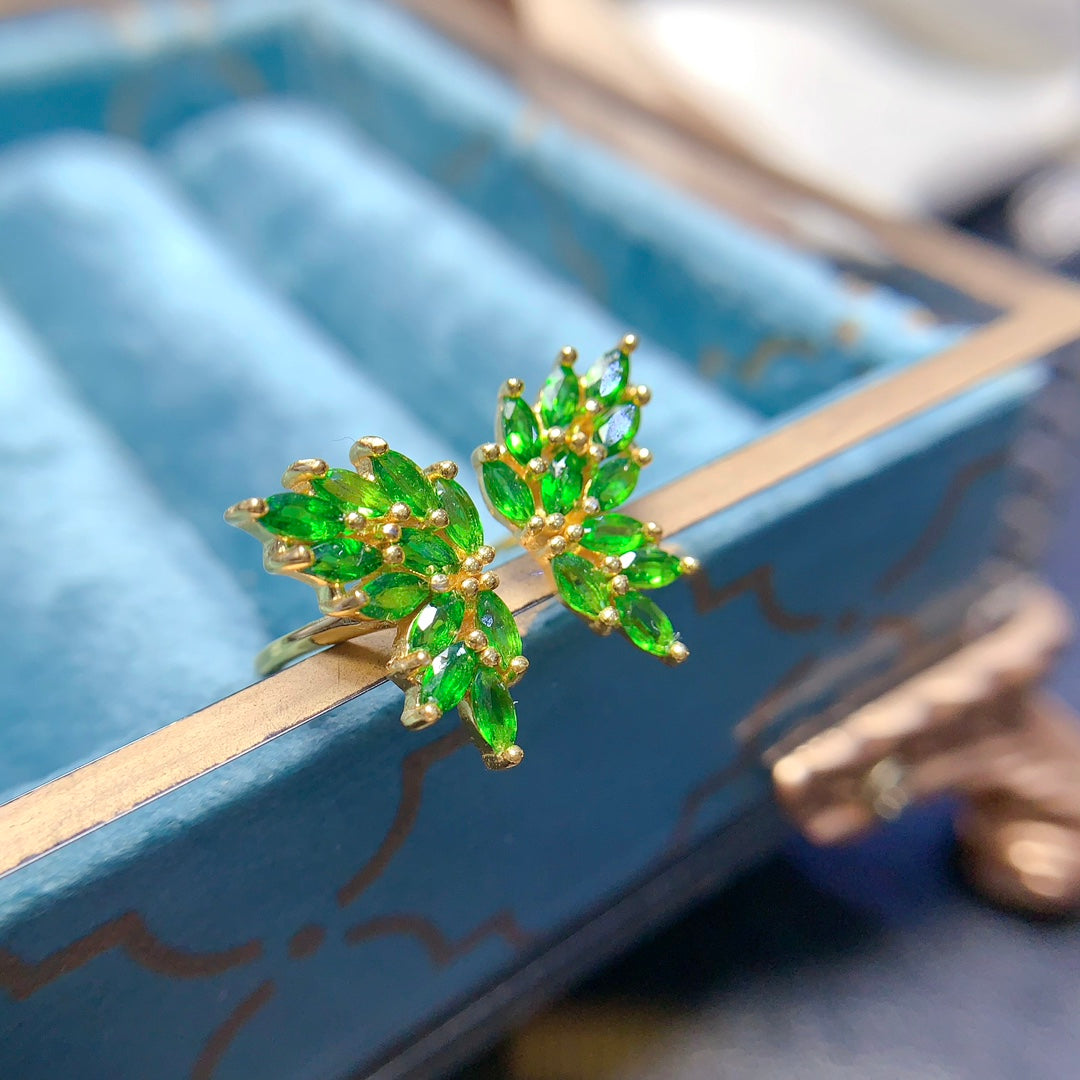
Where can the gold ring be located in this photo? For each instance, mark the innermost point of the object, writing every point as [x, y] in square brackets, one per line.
[388, 544]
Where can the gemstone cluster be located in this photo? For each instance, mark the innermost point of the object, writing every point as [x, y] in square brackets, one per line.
[389, 543]
[556, 476]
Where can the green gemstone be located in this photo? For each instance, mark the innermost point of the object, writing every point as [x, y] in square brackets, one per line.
[436, 625]
[617, 427]
[650, 568]
[394, 595]
[449, 676]
[560, 397]
[301, 517]
[614, 482]
[464, 529]
[493, 710]
[561, 486]
[607, 378]
[343, 485]
[426, 554]
[612, 534]
[403, 481]
[645, 624]
[509, 494]
[345, 559]
[582, 587]
[520, 431]
[498, 623]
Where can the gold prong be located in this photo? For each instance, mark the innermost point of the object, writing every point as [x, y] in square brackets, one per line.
[578, 441]
[446, 469]
[283, 558]
[392, 531]
[355, 522]
[399, 512]
[417, 715]
[612, 564]
[556, 522]
[488, 452]
[298, 476]
[643, 455]
[653, 531]
[338, 602]
[489, 580]
[438, 518]
[470, 586]
[590, 505]
[689, 565]
[485, 554]
[556, 436]
[535, 524]
[574, 533]
[642, 395]
[557, 545]
[393, 555]
[678, 653]
[508, 759]
[518, 666]
[620, 585]
[592, 406]
[368, 447]
[597, 452]
[476, 640]
[409, 663]
[246, 511]
[471, 565]
[514, 387]
[629, 343]
[490, 657]
[608, 617]
[538, 466]
[568, 355]
[440, 583]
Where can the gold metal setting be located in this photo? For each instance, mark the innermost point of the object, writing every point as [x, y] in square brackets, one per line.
[347, 605]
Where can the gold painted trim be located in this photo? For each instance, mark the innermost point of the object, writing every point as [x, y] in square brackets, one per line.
[97, 793]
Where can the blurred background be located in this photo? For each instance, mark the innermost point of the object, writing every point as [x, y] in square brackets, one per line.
[871, 960]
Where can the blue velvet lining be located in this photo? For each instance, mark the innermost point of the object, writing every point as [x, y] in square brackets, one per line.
[371, 248]
[118, 617]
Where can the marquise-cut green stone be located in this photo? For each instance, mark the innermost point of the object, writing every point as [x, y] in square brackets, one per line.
[436, 625]
[394, 595]
[614, 482]
[509, 494]
[617, 427]
[561, 486]
[560, 397]
[450, 675]
[403, 481]
[645, 624]
[612, 534]
[607, 378]
[426, 554]
[650, 568]
[493, 710]
[346, 486]
[464, 529]
[582, 587]
[520, 431]
[345, 559]
[497, 622]
[301, 517]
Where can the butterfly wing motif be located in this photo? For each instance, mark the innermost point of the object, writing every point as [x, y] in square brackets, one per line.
[556, 477]
[391, 544]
